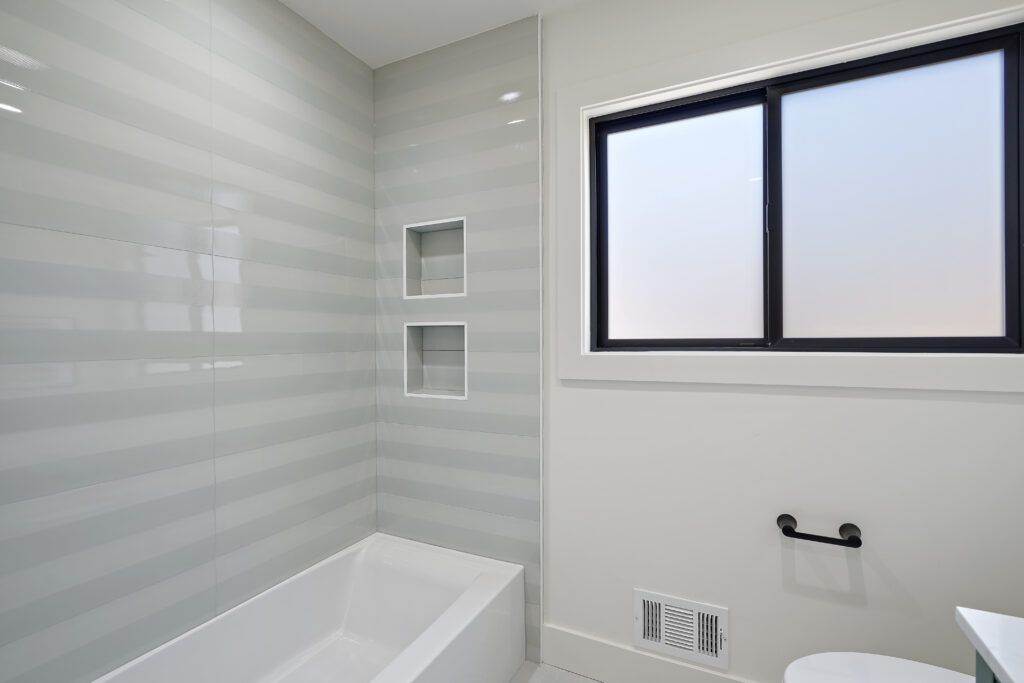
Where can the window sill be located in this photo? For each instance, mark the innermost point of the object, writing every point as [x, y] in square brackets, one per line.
[948, 372]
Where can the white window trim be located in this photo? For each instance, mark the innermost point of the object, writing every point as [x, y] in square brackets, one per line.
[570, 232]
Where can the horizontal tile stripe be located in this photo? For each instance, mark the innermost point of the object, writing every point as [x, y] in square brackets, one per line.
[230, 540]
[457, 107]
[277, 253]
[248, 438]
[39, 211]
[253, 343]
[466, 540]
[457, 205]
[51, 279]
[468, 420]
[521, 174]
[29, 413]
[518, 466]
[22, 552]
[49, 478]
[477, 141]
[265, 480]
[33, 346]
[461, 497]
[519, 218]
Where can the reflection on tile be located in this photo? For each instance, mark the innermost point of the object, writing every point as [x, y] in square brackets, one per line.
[147, 295]
[67, 297]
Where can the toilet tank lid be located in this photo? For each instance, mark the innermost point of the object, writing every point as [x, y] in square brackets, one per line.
[861, 667]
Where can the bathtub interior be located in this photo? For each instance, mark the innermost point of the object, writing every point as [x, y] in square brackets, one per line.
[401, 588]
[396, 592]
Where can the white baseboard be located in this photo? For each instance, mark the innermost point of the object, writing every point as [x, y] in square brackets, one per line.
[610, 662]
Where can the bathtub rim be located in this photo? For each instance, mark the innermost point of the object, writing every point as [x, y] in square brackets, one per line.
[482, 593]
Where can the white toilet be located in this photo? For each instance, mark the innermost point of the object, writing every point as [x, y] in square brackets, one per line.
[860, 667]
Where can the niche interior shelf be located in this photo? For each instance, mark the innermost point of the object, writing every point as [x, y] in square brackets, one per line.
[435, 360]
[434, 259]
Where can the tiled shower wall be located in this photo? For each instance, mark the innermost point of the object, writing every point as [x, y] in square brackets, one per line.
[187, 400]
[457, 135]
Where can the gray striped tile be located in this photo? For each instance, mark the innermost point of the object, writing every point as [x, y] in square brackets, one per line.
[186, 213]
[201, 329]
[464, 474]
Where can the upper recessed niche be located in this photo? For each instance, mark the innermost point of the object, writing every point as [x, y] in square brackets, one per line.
[434, 263]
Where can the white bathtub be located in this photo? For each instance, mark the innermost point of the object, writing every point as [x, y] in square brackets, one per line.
[386, 610]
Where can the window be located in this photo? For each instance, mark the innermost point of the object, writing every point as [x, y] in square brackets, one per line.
[869, 206]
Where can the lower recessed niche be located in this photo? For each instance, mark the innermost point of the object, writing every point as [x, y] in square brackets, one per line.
[435, 360]
[435, 259]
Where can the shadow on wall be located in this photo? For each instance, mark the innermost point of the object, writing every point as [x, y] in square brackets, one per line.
[836, 575]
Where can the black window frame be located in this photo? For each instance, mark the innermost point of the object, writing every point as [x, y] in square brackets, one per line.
[769, 92]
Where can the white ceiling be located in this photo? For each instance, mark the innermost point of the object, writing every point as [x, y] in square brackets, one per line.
[383, 31]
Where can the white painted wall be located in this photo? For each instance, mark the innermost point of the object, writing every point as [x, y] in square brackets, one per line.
[675, 487]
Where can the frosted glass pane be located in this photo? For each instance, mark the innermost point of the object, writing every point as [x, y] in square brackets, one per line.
[685, 228]
[893, 204]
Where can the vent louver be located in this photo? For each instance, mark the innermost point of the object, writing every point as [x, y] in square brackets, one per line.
[652, 621]
[681, 628]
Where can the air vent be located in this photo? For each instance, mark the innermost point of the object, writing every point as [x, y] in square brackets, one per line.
[681, 628]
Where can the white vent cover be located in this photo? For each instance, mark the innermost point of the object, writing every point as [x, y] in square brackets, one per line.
[681, 628]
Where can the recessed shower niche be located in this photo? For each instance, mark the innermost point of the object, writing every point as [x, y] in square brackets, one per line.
[435, 360]
[434, 258]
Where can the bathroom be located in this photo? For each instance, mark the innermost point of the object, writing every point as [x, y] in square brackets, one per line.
[458, 341]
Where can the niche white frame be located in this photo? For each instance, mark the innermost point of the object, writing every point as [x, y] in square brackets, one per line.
[405, 257]
[465, 359]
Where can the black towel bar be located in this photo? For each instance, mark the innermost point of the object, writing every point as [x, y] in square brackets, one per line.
[849, 534]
